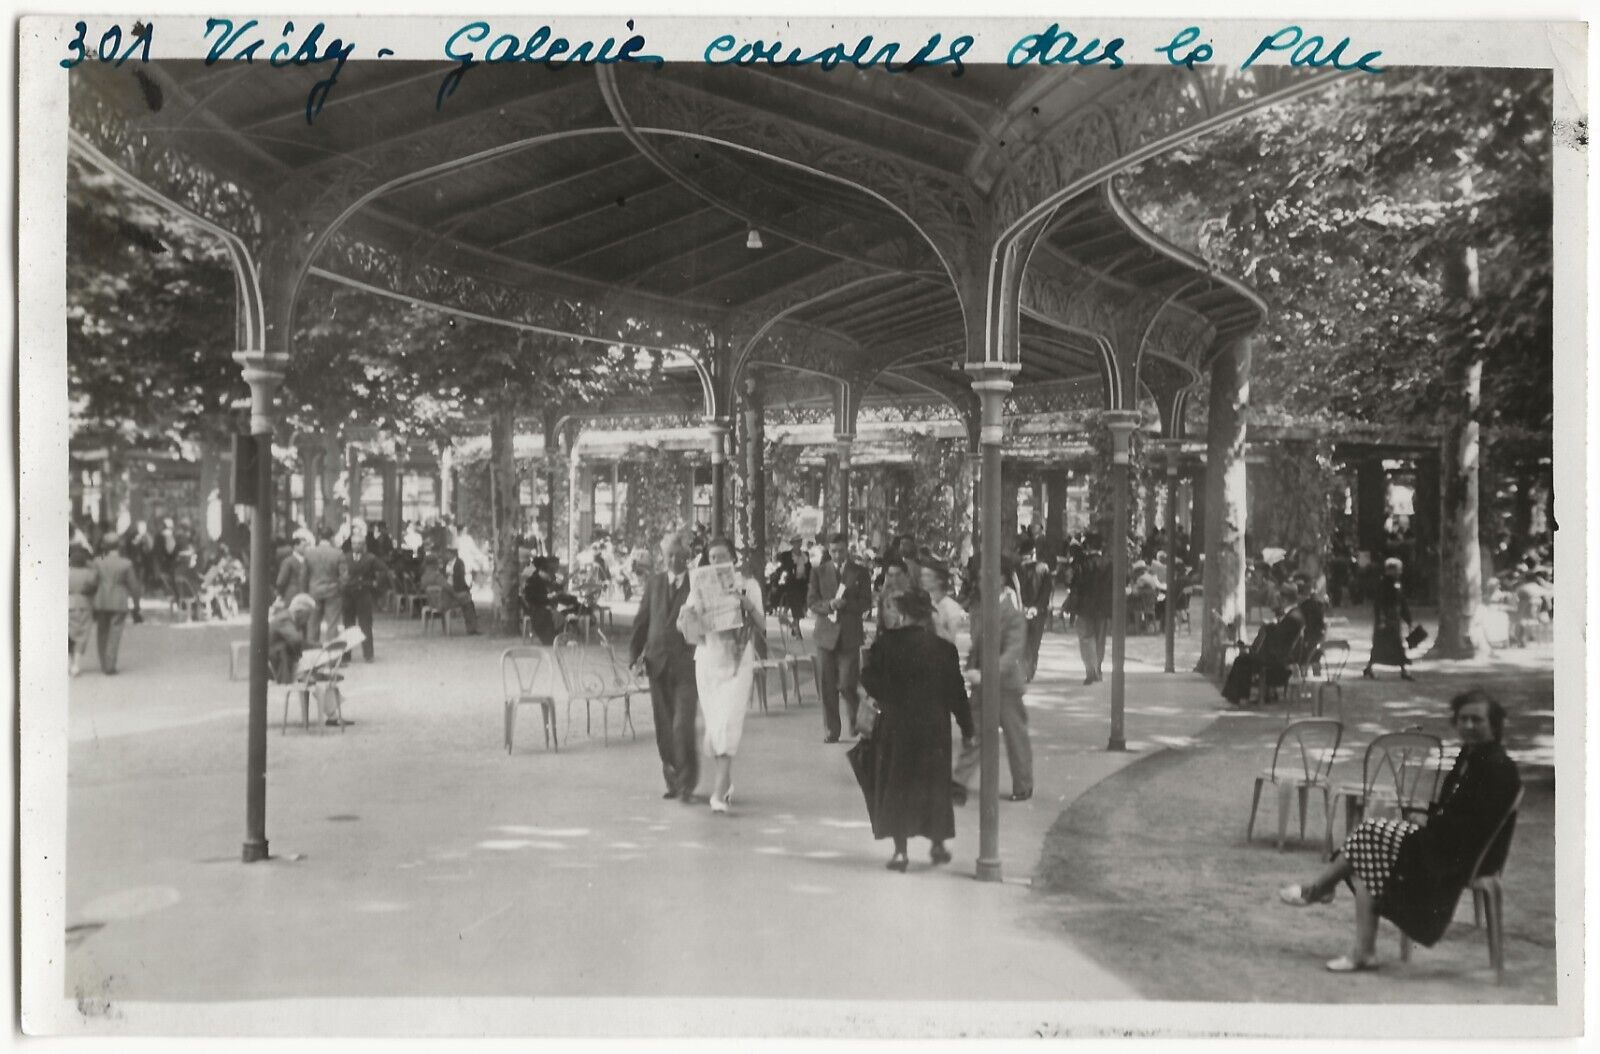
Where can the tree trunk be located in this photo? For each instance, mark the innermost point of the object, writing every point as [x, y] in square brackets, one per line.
[1461, 632]
[506, 514]
[1226, 504]
[210, 482]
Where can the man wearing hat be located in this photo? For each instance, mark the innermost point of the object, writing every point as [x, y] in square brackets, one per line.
[792, 579]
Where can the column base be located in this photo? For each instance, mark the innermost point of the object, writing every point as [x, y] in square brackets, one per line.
[1117, 745]
[988, 871]
[254, 852]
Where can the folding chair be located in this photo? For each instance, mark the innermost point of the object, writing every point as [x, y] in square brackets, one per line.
[1400, 771]
[1335, 657]
[590, 677]
[1488, 895]
[318, 676]
[1305, 767]
[794, 647]
[777, 659]
[528, 677]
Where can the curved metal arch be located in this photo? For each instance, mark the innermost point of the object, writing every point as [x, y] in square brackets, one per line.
[614, 100]
[1110, 370]
[743, 357]
[1002, 262]
[527, 327]
[247, 279]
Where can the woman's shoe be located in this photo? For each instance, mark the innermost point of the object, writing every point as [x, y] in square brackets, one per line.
[1345, 964]
[898, 862]
[939, 855]
[1368, 674]
[1404, 676]
[718, 804]
[1296, 896]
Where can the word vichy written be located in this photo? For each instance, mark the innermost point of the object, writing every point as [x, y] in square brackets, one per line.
[479, 43]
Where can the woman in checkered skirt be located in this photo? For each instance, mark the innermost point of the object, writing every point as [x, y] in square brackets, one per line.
[1413, 875]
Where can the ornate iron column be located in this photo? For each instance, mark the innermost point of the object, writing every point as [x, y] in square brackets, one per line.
[1122, 424]
[1170, 620]
[843, 444]
[755, 432]
[263, 372]
[992, 382]
[717, 428]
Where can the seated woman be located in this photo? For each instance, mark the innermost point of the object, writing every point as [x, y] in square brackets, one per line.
[536, 599]
[1414, 875]
[286, 636]
[1271, 654]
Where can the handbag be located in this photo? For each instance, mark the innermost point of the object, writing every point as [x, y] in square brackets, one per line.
[1416, 636]
[867, 718]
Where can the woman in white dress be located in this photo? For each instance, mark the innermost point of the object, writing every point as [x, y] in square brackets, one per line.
[724, 670]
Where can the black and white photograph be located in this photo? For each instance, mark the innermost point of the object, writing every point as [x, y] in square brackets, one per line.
[800, 528]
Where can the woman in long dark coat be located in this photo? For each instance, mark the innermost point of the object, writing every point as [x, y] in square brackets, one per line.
[915, 677]
[1389, 612]
[1414, 875]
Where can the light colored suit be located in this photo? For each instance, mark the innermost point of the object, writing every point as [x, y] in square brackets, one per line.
[118, 586]
[1013, 676]
[323, 582]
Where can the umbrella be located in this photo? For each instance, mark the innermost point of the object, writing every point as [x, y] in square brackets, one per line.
[865, 766]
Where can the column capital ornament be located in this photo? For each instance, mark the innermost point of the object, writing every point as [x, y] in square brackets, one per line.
[1122, 423]
[263, 372]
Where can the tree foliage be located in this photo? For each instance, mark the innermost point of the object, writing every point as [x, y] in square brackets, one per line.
[1340, 209]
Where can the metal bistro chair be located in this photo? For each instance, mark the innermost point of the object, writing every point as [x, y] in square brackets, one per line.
[777, 659]
[318, 677]
[1335, 657]
[1302, 768]
[186, 605]
[1488, 900]
[1400, 771]
[794, 645]
[590, 677]
[528, 677]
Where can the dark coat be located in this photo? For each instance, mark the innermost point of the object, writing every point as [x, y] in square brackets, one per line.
[1037, 586]
[915, 676]
[1434, 863]
[1390, 611]
[655, 627]
[1091, 587]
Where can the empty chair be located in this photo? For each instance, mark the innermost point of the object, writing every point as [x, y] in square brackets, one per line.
[590, 677]
[1301, 763]
[777, 658]
[796, 652]
[528, 677]
[1400, 771]
[1488, 901]
[1335, 657]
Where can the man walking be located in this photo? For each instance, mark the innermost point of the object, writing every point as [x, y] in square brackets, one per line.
[460, 588]
[118, 585]
[1090, 605]
[1013, 714]
[840, 591]
[364, 576]
[324, 561]
[294, 577]
[669, 662]
[1037, 584]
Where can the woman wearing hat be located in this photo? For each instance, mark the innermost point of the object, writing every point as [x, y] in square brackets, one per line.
[1389, 612]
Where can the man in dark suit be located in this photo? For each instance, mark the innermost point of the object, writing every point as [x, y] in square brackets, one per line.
[1036, 584]
[118, 587]
[840, 592]
[294, 575]
[363, 576]
[459, 591]
[669, 662]
[1090, 605]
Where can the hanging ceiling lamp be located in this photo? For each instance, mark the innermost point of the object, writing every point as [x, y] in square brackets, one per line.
[754, 240]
